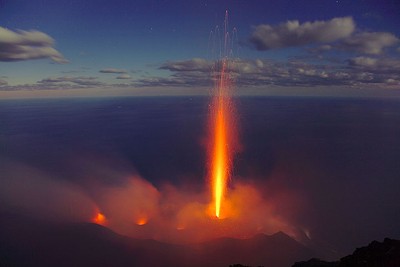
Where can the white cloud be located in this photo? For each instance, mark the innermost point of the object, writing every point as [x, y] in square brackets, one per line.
[377, 65]
[363, 61]
[192, 72]
[195, 64]
[248, 73]
[176, 80]
[124, 77]
[113, 70]
[292, 33]
[391, 81]
[262, 72]
[26, 45]
[82, 81]
[370, 42]
[3, 82]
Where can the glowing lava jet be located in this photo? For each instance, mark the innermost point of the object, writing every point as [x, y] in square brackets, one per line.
[222, 132]
[220, 148]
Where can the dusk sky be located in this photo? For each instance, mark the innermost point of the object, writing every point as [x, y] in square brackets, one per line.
[320, 164]
[122, 47]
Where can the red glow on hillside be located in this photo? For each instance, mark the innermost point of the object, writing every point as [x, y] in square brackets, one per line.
[99, 219]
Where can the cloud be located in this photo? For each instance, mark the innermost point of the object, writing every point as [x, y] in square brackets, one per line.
[335, 34]
[376, 70]
[3, 82]
[26, 45]
[358, 71]
[369, 42]
[376, 65]
[294, 73]
[176, 80]
[124, 77]
[192, 72]
[195, 64]
[81, 81]
[113, 70]
[363, 61]
[292, 33]
[249, 73]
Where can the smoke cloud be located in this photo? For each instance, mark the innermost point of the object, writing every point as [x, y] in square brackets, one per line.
[134, 207]
[29, 191]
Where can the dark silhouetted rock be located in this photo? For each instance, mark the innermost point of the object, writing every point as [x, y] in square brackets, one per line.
[376, 254]
[278, 250]
[239, 265]
[316, 263]
[26, 242]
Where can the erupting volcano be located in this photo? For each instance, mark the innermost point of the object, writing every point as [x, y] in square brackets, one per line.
[221, 125]
[222, 130]
[198, 133]
[172, 206]
[175, 214]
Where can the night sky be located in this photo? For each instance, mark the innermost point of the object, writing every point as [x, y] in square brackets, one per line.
[167, 47]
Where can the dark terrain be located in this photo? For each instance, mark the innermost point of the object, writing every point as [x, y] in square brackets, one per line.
[28, 242]
[376, 254]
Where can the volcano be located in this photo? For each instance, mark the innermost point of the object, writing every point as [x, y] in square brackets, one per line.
[27, 242]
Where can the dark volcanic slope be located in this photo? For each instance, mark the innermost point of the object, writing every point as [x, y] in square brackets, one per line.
[386, 253]
[376, 254]
[31, 243]
[275, 250]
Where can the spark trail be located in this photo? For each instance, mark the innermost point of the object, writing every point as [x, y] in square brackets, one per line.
[222, 131]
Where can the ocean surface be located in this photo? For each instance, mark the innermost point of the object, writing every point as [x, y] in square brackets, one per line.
[342, 154]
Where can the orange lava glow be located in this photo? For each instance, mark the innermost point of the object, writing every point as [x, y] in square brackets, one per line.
[99, 219]
[221, 148]
[141, 221]
[222, 134]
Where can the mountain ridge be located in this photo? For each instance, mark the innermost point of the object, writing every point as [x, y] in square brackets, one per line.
[27, 242]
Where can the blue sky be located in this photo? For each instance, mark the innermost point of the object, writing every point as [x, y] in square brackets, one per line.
[132, 47]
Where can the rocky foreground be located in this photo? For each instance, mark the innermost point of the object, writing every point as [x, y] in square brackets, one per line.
[376, 254]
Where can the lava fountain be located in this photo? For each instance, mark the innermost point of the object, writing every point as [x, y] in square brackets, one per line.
[222, 134]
